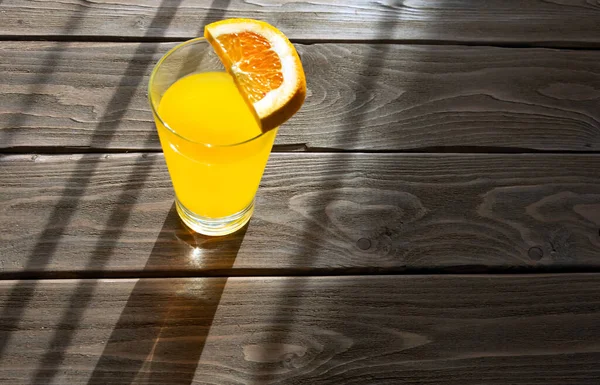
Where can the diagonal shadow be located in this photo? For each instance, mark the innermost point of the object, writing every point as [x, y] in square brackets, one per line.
[54, 226]
[280, 331]
[39, 82]
[156, 344]
[107, 241]
[81, 177]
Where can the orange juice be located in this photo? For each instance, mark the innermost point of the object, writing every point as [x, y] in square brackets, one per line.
[214, 147]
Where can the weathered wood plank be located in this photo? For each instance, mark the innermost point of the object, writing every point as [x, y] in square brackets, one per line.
[333, 212]
[571, 22]
[446, 330]
[378, 97]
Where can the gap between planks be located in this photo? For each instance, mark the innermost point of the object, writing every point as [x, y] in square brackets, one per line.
[302, 148]
[592, 46]
[475, 270]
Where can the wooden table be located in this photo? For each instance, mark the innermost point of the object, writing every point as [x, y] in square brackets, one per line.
[431, 215]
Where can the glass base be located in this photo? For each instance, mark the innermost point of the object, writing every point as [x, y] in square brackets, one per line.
[214, 226]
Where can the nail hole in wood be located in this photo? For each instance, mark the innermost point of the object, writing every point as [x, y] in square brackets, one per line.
[363, 244]
[536, 253]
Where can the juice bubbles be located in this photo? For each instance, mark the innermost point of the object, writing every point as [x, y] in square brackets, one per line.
[214, 149]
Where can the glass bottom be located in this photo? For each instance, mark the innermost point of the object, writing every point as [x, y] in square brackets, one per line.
[214, 226]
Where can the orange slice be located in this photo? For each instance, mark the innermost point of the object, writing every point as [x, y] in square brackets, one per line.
[265, 67]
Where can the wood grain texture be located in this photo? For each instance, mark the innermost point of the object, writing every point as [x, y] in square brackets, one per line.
[315, 212]
[446, 330]
[570, 22]
[374, 97]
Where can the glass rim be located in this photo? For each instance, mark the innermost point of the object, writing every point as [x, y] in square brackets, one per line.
[155, 112]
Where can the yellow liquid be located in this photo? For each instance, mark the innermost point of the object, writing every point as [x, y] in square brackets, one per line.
[219, 179]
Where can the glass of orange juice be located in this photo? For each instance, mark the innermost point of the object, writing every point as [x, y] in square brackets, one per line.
[214, 147]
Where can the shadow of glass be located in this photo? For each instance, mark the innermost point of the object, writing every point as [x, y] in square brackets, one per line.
[160, 334]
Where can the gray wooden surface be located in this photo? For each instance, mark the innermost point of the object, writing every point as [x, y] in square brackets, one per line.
[90, 96]
[561, 23]
[308, 330]
[105, 214]
[437, 137]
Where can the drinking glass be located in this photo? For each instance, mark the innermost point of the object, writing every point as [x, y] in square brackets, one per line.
[214, 184]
